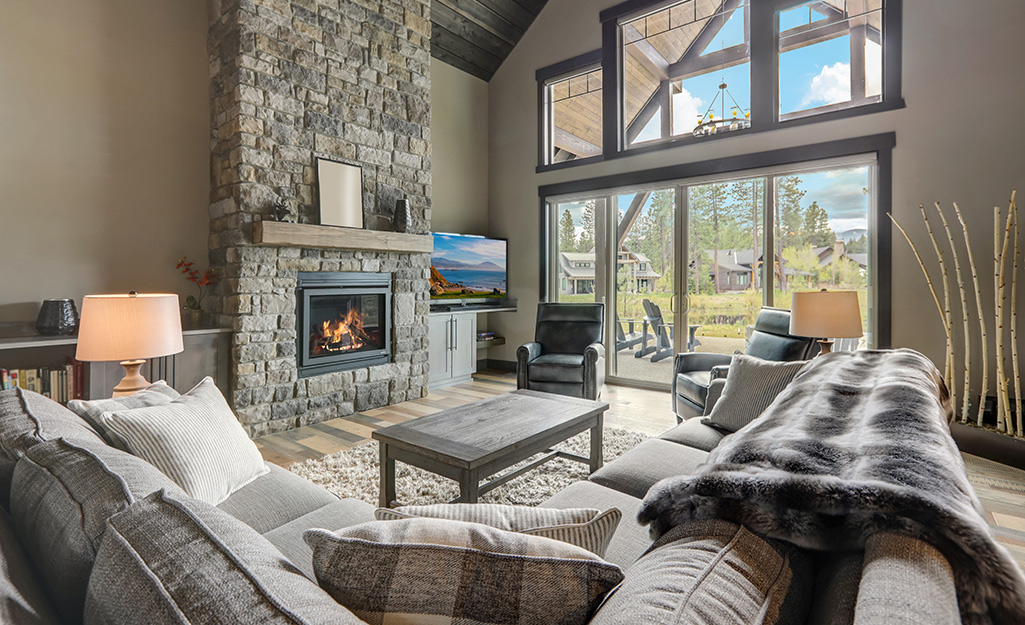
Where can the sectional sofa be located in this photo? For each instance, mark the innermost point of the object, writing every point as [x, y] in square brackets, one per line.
[63, 560]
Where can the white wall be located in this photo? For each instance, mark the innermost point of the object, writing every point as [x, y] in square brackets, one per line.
[104, 162]
[459, 151]
[960, 138]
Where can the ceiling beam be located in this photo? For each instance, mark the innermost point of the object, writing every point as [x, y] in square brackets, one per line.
[629, 217]
[710, 29]
[572, 143]
[645, 53]
[720, 59]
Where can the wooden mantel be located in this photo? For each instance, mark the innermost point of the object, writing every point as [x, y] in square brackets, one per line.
[331, 237]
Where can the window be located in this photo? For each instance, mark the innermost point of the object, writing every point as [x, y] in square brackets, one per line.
[686, 70]
[830, 56]
[570, 112]
[748, 231]
[693, 69]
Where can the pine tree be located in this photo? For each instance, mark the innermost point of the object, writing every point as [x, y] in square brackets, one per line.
[789, 220]
[816, 226]
[585, 243]
[567, 233]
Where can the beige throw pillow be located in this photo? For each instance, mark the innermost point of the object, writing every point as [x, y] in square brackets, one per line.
[156, 394]
[418, 571]
[588, 528]
[196, 440]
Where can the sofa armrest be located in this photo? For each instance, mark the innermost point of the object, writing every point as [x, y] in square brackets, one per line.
[593, 352]
[715, 388]
[905, 580]
[720, 372]
[524, 354]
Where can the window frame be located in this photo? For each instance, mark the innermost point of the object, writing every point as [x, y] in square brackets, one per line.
[764, 63]
[880, 145]
[545, 76]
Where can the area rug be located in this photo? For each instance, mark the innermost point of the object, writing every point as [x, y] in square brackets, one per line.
[355, 473]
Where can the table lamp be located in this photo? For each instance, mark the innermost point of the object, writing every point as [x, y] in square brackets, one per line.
[130, 329]
[825, 315]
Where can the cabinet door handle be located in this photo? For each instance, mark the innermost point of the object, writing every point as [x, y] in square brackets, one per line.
[455, 333]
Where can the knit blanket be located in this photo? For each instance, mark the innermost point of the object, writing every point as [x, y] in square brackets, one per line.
[858, 443]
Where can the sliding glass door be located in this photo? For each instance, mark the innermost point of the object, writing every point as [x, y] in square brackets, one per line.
[742, 242]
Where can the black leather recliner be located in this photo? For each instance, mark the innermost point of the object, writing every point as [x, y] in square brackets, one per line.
[567, 356]
[770, 340]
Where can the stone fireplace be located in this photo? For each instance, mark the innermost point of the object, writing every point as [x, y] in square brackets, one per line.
[292, 82]
[343, 321]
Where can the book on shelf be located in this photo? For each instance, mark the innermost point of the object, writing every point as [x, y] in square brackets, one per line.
[61, 384]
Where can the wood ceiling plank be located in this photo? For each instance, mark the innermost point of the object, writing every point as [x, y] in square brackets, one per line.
[459, 63]
[469, 31]
[534, 6]
[511, 11]
[477, 12]
[455, 44]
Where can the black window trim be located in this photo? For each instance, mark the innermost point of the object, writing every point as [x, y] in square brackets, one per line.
[764, 75]
[880, 144]
[585, 62]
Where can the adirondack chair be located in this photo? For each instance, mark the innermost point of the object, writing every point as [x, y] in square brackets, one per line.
[625, 339]
[663, 343]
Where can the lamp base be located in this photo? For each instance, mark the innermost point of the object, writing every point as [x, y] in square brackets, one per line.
[825, 346]
[133, 382]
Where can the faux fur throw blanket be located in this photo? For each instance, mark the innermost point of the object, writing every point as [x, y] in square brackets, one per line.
[858, 443]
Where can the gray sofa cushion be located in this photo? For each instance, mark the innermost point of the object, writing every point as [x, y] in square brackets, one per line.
[170, 559]
[27, 419]
[22, 601]
[905, 581]
[631, 538]
[638, 469]
[713, 573]
[694, 433]
[61, 497]
[275, 498]
[335, 516]
[567, 368]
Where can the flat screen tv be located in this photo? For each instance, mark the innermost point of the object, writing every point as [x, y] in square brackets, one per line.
[466, 268]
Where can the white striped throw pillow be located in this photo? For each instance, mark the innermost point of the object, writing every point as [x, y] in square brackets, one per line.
[751, 386]
[195, 440]
[588, 528]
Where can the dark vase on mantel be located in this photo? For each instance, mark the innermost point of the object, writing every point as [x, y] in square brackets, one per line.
[57, 317]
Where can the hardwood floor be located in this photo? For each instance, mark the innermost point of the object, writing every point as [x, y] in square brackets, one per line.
[1001, 489]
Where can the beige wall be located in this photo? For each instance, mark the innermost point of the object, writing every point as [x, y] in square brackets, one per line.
[459, 151]
[105, 154]
[961, 138]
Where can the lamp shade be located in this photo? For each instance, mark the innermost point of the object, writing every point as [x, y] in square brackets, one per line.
[826, 314]
[129, 327]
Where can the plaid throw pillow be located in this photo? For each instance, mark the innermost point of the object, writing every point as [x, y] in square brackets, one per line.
[453, 573]
[588, 528]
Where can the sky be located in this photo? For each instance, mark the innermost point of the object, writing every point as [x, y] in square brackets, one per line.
[469, 250]
[812, 76]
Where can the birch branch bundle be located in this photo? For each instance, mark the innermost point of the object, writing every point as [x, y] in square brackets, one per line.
[948, 322]
[1014, 321]
[925, 272]
[999, 284]
[966, 395]
[982, 319]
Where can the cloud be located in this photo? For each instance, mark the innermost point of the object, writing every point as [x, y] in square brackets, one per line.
[840, 192]
[831, 85]
[686, 109]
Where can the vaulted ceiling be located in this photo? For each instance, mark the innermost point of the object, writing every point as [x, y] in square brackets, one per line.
[476, 35]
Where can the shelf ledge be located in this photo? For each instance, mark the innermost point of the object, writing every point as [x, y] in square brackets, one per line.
[284, 234]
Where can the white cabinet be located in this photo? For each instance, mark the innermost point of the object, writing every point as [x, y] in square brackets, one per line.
[453, 348]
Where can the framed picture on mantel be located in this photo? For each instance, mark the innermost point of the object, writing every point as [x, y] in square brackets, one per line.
[340, 187]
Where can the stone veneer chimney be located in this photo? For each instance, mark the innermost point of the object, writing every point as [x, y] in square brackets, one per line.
[289, 82]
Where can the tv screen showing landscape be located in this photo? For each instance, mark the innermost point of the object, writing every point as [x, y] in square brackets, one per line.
[468, 267]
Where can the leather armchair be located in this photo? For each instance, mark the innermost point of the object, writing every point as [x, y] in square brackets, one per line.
[567, 356]
[770, 340]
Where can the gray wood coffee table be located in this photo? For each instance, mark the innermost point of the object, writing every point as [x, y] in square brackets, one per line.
[474, 442]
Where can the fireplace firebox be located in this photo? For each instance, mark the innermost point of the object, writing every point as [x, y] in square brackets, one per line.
[343, 321]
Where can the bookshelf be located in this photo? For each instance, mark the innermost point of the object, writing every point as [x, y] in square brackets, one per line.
[207, 352]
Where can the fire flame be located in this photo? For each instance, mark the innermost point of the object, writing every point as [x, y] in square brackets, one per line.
[343, 334]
